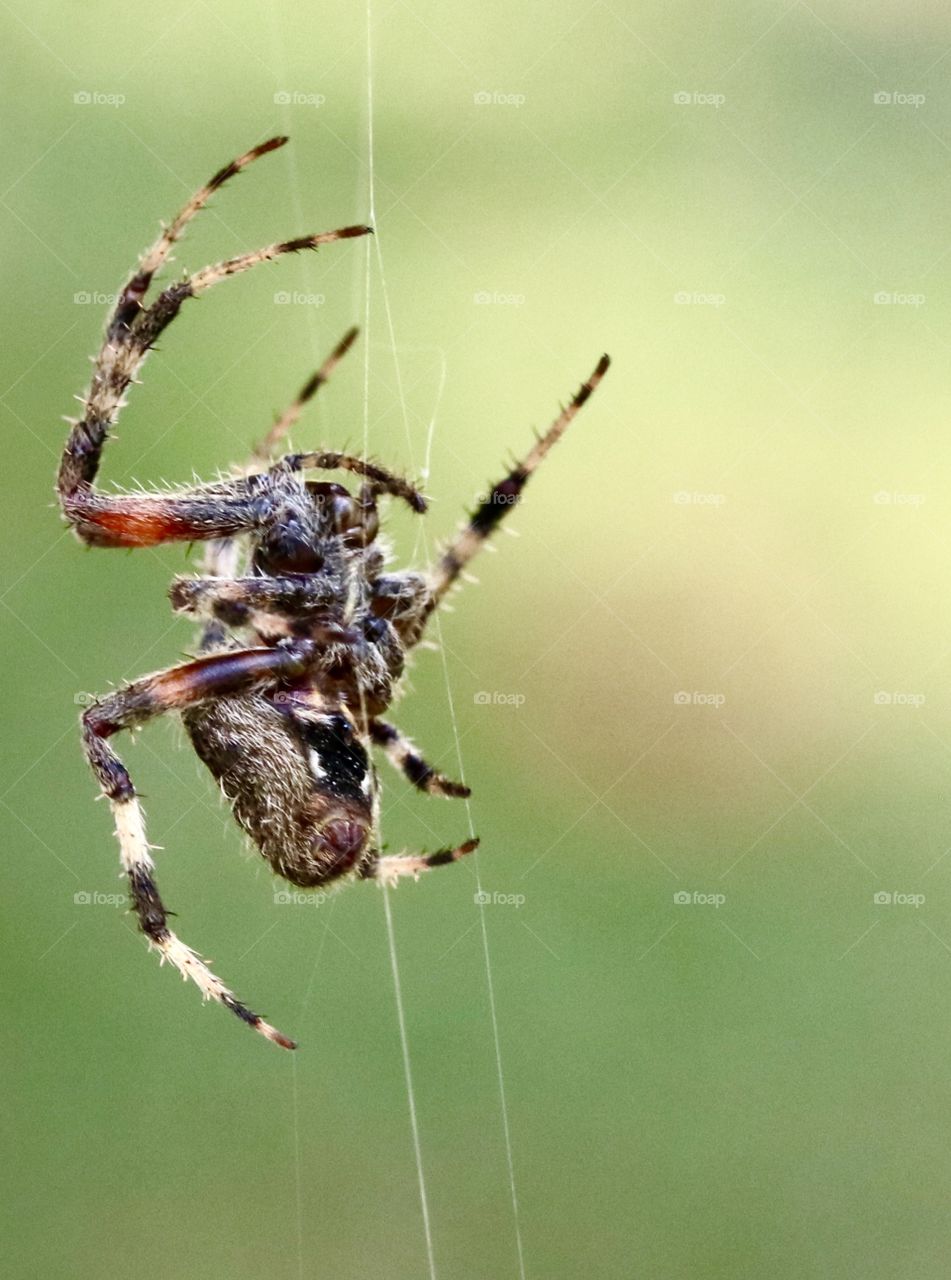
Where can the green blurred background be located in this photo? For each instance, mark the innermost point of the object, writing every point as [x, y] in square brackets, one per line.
[715, 664]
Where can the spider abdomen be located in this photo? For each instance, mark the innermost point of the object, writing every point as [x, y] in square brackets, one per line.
[300, 783]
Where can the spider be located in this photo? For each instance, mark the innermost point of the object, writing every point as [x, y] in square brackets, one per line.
[304, 634]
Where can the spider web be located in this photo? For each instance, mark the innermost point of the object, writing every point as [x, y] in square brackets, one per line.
[374, 255]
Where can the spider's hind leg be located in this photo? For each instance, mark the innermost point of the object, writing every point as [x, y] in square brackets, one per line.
[152, 914]
[389, 869]
[133, 705]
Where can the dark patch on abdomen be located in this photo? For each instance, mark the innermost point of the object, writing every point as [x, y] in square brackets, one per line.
[342, 757]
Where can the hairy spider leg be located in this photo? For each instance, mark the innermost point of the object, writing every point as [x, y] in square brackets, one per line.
[266, 450]
[403, 755]
[390, 869]
[147, 519]
[381, 480]
[234, 601]
[503, 497]
[130, 298]
[143, 700]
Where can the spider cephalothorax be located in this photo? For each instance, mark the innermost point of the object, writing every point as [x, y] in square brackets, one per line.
[304, 634]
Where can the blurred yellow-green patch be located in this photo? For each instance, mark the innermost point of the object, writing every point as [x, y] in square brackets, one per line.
[702, 700]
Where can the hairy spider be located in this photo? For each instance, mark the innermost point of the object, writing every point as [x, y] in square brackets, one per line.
[304, 634]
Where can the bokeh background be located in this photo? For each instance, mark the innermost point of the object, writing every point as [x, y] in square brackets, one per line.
[702, 701]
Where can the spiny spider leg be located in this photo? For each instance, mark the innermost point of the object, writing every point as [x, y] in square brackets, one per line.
[266, 450]
[279, 606]
[134, 704]
[150, 322]
[147, 519]
[504, 495]
[234, 600]
[382, 481]
[403, 756]
[130, 299]
[144, 520]
[390, 868]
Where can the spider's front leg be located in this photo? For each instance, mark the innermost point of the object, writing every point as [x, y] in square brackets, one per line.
[148, 519]
[381, 480]
[501, 499]
[138, 702]
[132, 330]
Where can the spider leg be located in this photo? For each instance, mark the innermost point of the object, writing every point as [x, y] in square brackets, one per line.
[132, 705]
[168, 304]
[133, 329]
[404, 756]
[130, 299]
[390, 868]
[239, 602]
[503, 496]
[382, 481]
[147, 519]
[265, 450]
